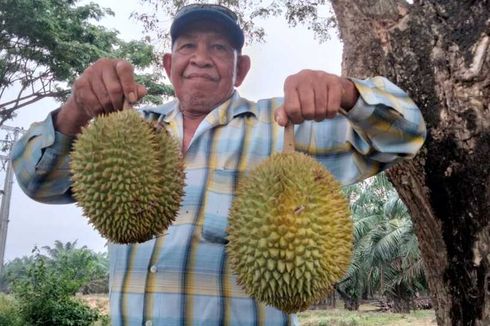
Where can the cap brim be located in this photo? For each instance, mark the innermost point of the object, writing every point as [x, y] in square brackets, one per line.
[231, 27]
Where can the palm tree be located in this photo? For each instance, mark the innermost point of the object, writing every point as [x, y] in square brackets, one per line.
[82, 265]
[386, 259]
[61, 249]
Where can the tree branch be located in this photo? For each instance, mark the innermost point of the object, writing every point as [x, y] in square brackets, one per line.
[37, 96]
[19, 99]
[6, 114]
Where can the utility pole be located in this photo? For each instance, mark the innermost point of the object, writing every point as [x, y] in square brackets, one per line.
[11, 135]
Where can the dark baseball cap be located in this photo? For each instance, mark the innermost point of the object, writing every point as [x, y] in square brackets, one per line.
[210, 12]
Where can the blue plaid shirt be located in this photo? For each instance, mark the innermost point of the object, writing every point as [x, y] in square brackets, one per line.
[184, 277]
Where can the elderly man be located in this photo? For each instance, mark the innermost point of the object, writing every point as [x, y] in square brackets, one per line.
[184, 277]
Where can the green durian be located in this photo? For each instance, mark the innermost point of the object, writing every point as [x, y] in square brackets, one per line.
[128, 177]
[290, 232]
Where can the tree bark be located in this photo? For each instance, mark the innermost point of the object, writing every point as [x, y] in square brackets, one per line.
[439, 52]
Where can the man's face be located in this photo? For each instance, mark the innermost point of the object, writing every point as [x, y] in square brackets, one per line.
[203, 67]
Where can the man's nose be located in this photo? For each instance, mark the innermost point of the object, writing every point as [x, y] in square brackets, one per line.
[201, 56]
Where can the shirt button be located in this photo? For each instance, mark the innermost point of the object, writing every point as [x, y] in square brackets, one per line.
[153, 269]
[148, 322]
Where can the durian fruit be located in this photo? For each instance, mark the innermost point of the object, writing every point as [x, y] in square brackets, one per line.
[290, 232]
[127, 176]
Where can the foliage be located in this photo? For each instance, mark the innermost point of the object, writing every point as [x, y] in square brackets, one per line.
[45, 44]
[386, 256]
[45, 297]
[84, 266]
[15, 269]
[304, 12]
[9, 311]
[85, 270]
[155, 87]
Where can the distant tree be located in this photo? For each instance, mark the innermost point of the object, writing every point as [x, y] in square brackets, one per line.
[85, 270]
[302, 12]
[59, 249]
[45, 44]
[15, 269]
[386, 258]
[84, 266]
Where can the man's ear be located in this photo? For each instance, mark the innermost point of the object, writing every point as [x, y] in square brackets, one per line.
[167, 63]
[243, 66]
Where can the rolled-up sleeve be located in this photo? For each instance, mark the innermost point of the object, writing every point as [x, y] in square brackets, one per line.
[391, 121]
[384, 127]
[40, 160]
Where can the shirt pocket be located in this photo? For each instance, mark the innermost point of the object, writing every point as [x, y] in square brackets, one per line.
[220, 193]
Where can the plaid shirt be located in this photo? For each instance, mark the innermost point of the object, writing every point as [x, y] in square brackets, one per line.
[183, 277]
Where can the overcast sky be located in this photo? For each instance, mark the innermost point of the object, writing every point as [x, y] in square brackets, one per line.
[286, 51]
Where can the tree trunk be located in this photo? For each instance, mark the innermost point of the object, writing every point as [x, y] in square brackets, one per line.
[439, 52]
[402, 299]
[350, 302]
[400, 305]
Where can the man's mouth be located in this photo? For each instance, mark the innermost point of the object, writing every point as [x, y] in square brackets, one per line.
[200, 76]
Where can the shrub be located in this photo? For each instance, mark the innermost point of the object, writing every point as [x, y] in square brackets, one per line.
[46, 298]
[9, 311]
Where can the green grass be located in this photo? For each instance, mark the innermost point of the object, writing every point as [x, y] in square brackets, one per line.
[340, 317]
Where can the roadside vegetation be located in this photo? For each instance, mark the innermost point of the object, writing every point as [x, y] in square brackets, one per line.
[41, 289]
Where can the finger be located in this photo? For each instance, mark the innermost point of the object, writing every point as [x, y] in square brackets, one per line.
[125, 73]
[100, 92]
[321, 99]
[114, 89]
[334, 98]
[280, 116]
[141, 91]
[292, 104]
[307, 102]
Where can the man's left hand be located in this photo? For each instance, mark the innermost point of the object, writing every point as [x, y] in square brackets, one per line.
[315, 95]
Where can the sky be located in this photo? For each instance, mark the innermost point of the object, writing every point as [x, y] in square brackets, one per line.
[286, 51]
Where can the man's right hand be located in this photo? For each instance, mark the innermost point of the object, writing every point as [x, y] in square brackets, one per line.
[100, 89]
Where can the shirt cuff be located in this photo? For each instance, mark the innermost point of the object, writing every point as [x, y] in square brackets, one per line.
[360, 111]
[57, 142]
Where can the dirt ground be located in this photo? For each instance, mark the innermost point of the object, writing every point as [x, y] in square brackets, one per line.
[367, 315]
[99, 301]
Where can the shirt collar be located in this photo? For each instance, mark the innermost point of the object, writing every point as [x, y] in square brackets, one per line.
[233, 107]
[222, 114]
[241, 106]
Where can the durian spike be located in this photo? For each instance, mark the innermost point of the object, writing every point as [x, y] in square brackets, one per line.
[288, 138]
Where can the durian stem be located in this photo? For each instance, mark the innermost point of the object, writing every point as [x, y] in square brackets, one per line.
[127, 106]
[288, 138]
[289, 135]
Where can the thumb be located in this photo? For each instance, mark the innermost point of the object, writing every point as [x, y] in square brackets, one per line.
[280, 116]
[141, 90]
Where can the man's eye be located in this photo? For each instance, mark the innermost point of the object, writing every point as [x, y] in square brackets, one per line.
[186, 46]
[220, 47]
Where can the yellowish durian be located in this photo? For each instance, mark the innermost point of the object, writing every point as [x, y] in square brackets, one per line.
[290, 232]
[127, 177]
